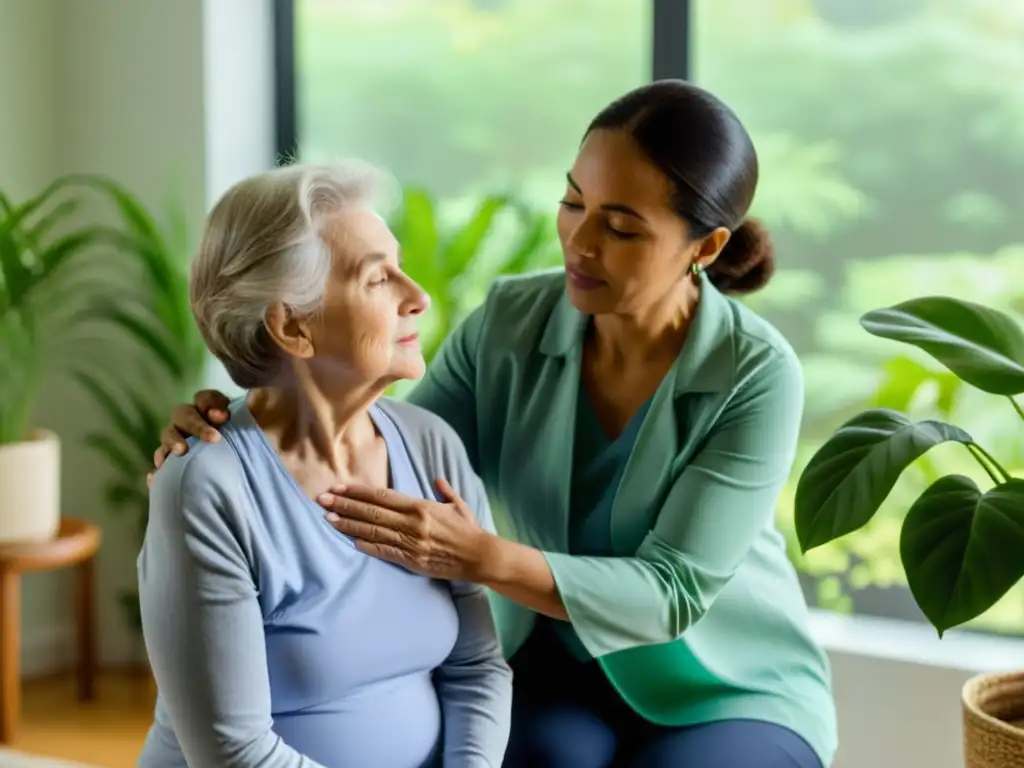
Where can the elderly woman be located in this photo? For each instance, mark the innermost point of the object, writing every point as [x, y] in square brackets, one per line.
[275, 641]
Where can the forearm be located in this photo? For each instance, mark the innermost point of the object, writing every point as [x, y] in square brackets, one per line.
[475, 686]
[521, 574]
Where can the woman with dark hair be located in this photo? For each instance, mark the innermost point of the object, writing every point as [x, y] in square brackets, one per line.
[634, 426]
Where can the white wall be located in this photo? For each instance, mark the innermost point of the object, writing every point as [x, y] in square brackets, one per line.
[146, 91]
[897, 688]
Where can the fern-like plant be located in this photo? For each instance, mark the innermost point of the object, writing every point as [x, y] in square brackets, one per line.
[159, 320]
[41, 244]
[962, 547]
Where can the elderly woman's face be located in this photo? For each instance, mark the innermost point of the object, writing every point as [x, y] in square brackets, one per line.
[367, 329]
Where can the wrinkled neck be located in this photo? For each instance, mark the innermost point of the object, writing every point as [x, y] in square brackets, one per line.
[314, 422]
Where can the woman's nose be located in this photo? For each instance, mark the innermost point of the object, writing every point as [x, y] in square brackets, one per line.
[581, 241]
[418, 300]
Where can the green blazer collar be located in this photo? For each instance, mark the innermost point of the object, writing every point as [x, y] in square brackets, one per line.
[707, 362]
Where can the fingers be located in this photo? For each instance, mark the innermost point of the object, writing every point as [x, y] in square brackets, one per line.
[381, 497]
[188, 422]
[171, 441]
[214, 404]
[382, 517]
[446, 490]
[149, 479]
[363, 531]
[386, 552]
[159, 454]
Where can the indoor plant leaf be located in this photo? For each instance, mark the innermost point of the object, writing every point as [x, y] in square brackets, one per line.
[150, 335]
[537, 241]
[465, 244]
[982, 346]
[15, 276]
[416, 231]
[850, 476]
[116, 454]
[962, 550]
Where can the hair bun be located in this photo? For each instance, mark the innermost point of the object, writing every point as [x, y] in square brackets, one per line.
[747, 262]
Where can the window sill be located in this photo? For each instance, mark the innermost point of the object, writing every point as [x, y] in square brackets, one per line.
[916, 643]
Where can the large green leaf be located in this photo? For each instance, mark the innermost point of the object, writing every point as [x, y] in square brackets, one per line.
[850, 476]
[983, 346]
[963, 549]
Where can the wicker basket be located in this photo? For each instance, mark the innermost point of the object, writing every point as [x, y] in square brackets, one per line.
[993, 707]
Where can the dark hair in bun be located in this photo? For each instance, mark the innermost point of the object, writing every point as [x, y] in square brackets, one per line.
[707, 155]
[747, 262]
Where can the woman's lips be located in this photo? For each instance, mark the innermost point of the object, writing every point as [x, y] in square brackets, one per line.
[581, 280]
[412, 338]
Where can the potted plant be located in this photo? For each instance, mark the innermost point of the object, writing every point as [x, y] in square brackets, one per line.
[158, 319]
[39, 246]
[962, 546]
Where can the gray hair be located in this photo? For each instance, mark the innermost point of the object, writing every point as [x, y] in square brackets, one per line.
[266, 241]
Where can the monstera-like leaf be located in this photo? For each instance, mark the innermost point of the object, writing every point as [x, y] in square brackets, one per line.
[963, 549]
[850, 476]
[982, 346]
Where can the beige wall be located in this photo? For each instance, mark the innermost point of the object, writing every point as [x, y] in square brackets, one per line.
[140, 90]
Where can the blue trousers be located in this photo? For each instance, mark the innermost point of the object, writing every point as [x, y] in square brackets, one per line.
[565, 714]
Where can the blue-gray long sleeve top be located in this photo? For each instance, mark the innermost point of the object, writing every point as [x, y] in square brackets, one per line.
[275, 643]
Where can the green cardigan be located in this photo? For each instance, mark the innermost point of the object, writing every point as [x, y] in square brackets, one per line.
[699, 616]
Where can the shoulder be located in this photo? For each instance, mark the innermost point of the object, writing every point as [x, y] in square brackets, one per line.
[528, 288]
[518, 306]
[437, 446]
[766, 366]
[205, 479]
[425, 432]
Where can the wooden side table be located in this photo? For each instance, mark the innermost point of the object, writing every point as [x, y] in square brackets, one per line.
[75, 546]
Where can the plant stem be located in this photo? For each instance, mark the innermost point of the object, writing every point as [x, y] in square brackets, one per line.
[1016, 407]
[989, 464]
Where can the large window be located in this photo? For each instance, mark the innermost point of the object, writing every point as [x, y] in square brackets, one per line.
[891, 137]
[463, 96]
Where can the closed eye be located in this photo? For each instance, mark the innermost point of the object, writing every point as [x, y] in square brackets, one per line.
[620, 234]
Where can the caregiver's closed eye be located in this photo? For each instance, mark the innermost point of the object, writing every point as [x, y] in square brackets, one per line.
[437, 539]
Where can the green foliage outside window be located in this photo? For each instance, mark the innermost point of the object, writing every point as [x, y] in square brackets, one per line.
[891, 137]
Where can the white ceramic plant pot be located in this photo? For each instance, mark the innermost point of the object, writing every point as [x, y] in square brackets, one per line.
[30, 488]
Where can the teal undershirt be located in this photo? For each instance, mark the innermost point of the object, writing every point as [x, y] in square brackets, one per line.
[597, 468]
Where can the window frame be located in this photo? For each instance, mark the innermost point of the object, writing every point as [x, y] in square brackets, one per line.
[671, 36]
